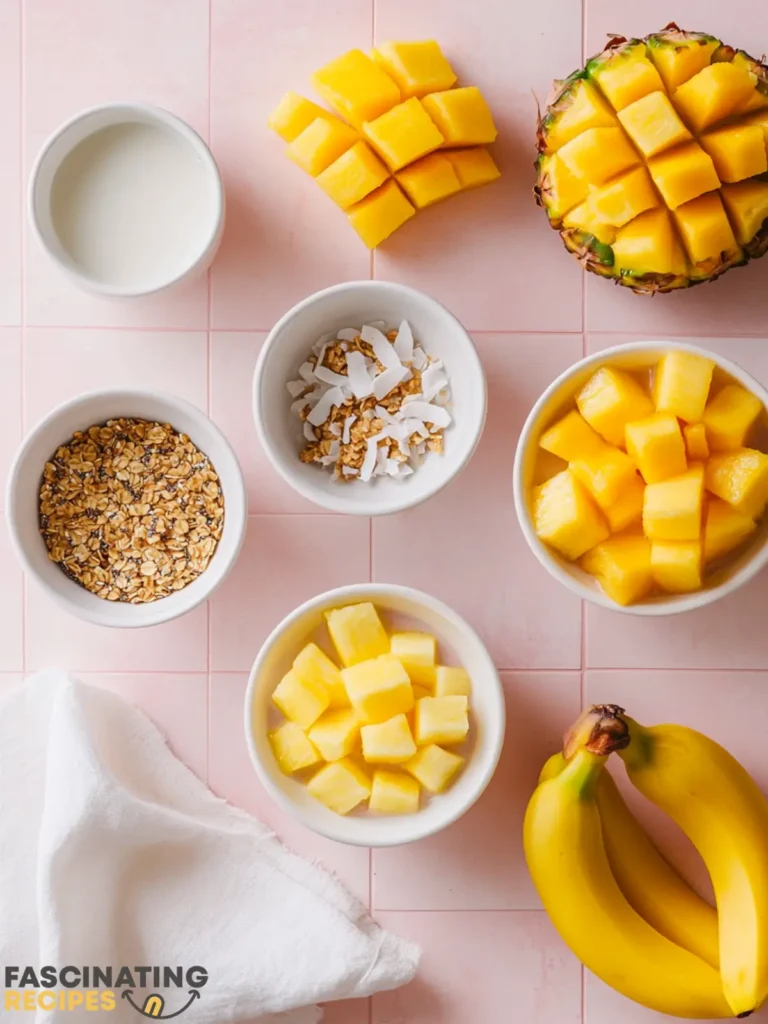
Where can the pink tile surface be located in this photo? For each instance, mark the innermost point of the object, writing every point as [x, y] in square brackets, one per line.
[11, 602]
[10, 401]
[10, 164]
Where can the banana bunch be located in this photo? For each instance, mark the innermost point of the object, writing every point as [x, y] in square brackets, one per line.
[619, 906]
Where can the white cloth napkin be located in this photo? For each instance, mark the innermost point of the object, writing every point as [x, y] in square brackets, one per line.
[113, 853]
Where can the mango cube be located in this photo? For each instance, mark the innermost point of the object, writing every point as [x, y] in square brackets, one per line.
[353, 176]
[441, 720]
[381, 213]
[672, 509]
[357, 633]
[623, 567]
[683, 174]
[712, 94]
[725, 528]
[653, 124]
[628, 507]
[599, 154]
[474, 167]
[417, 653]
[741, 479]
[388, 742]
[417, 68]
[434, 767]
[571, 438]
[609, 400]
[356, 87]
[429, 180]
[340, 785]
[320, 144]
[747, 206]
[293, 114]
[681, 384]
[335, 733]
[379, 689]
[677, 566]
[313, 665]
[706, 230]
[737, 151]
[622, 200]
[729, 416]
[625, 76]
[604, 474]
[292, 749]
[566, 517]
[301, 701]
[462, 115]
[696, 441]
[451, 681]
[403, 134]
[657, 446]
[394, 793]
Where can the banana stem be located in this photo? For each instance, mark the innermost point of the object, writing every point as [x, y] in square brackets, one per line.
[601, 729]
[638, 751]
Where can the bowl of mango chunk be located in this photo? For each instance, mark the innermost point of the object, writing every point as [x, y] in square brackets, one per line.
[374, 715]
[641, 478]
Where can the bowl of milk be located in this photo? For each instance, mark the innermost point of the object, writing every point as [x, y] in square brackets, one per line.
[127, 199]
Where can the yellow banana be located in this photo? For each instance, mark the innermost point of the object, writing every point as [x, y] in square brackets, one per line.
[722, 811]
[650, 883]
[568, 863]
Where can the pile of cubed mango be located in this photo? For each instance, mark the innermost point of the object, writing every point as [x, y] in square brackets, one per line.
[408, 138]
[390, 705]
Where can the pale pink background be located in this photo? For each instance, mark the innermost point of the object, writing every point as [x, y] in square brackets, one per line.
[490, 955]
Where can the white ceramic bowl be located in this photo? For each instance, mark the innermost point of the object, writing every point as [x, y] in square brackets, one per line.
[487, 713]
[558, 399]
[22, 502]
[154, 188]
[351, 305]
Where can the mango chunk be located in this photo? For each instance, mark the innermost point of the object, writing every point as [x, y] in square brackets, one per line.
[741, 479]
[604, 474]
[353, 176]
[648, 244]
[737, 151]
[571, 438]
[417, 653]
[474, 167]
[292, 749]
[335, 733]
[403, 134]
[434, 767]
[293, 114]
[656, 444]
[712, 94]
[609, 400]
[681, 385]
[729, 417]
[653, 124]
[378, 689]
[357, 633]
[356, 87]
[585, 109]
[747, 206]
[389, 742]
[683, 174]
[623, 567]
[394, 793]
[462, 115]
[677, 566]
[340, 785]
[599, 154]
[380, 214]
[429, 180]
[441, 720]
[301, 701]
[672, 509]
[320, 144]
[313, 665]
[628, 507]
[566, 517]
[451, 681]
[707, 233]
[696, 442]
[417, 68]
[625, 75]
[622, 200]
[725, 528]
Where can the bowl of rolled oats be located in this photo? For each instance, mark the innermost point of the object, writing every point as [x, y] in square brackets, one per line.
[128, 507]
[369, 397]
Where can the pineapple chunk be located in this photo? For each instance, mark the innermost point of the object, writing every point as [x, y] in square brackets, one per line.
[474, 167]
[648, 244]
[678, 59]
[462, 115]
[378, 689]
[657, 446]
[302, 701]
[625, 75]
[417, 68]
[737, 152]
[582, 107]
[571, 438]
[417, 653]
[696, 442]
[319, 145]
[741, 479]
[623, 567]
[335, 733]
[653, 124]
[683, 174]
[451, 681]
[628, 507]
[725, 528]
[565, 516]
[747, 206]
[441, 720]
[292, 750]
[599, 154]
[609, 400]
[681, 384]
[712, 94]
[340, 785]
[356, 87]
[389, 742]
[380, 214]
[583, 218]
[672, 509]
[676, 566]
[353, 176]
[403, 134]
[421, 691]
[357, 633]
[293, 114]
[394, 793]
[429, 180]
[707, 235]
[729, 416]
[560, 190]
[313, 665]
[605, 474]
[434, 767]
[623, 199]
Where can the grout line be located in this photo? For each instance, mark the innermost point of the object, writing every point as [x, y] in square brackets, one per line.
[22, 281]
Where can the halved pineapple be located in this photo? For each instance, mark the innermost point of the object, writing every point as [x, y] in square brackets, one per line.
[583, 218]
[678, 55]
[684, 174]
[649, 241]
[653, 124]
[707, 234]
[714, 93]
[625, 74]
[560, 191]
[747, 206]
[599, 154]
[624, 198]
[738, 151]
[578, 106]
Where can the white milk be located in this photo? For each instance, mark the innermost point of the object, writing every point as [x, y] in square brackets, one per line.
[130, 203]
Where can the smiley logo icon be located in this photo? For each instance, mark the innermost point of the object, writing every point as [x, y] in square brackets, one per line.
[154, 1005]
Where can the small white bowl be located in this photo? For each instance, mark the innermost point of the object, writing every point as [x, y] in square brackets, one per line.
[23, 502]
[127, 199]
[487, 713]
[351, 305]
[556, 401]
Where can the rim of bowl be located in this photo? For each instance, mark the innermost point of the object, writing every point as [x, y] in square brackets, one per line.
[495, 730]
[181, 128]
[235, 504]
[296, 481]
[678, 603]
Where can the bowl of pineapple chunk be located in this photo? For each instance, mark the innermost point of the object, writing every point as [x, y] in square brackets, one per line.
[641, 478]
[374, 715]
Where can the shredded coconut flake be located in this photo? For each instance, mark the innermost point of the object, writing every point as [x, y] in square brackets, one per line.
[382, 347]
[329, 377]
[420, 359]
[369, 462]
[298, 406]
[321, 412]
[434, 414]
[433, 380]
[349, 471]
[358, 378]
[403, 344]
[296, 387]
[348, 334]
[388, 380]
[345, 436]
[307, 372]
[309, 431]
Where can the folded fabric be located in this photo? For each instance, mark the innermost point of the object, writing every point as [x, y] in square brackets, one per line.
[113, 854]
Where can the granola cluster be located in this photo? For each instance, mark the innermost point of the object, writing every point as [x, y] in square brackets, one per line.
[131, 510]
